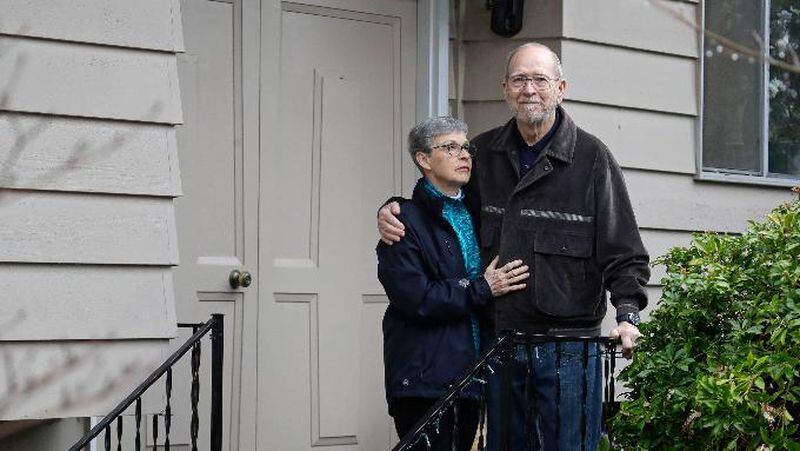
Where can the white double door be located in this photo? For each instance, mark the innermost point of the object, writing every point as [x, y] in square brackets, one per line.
[294, 121]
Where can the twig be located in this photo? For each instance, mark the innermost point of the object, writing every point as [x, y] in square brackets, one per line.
[743, 49]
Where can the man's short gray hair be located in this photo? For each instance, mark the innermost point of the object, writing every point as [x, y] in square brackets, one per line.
[421, 137]
[556, 61]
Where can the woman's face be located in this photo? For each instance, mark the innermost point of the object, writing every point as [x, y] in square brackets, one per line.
[447, 172]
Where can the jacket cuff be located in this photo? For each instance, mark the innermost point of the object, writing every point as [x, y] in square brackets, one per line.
[626, 307]
[398, 199]
[483, 290]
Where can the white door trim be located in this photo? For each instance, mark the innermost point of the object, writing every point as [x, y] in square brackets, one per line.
[433, 49]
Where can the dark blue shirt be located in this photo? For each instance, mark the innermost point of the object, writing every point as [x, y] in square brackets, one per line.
[529, 154]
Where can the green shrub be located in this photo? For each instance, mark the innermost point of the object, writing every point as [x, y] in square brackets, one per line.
[718, 364]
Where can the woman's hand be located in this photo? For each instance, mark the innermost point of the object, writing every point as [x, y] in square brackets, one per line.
[506, 278]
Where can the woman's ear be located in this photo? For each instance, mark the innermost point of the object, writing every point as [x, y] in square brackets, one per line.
[422, 160]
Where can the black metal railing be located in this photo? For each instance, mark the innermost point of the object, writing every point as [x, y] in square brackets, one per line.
[214, 327]
[499, 359]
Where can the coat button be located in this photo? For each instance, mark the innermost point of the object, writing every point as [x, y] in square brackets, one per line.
[563, 248]
[548, 167]
[405, 382]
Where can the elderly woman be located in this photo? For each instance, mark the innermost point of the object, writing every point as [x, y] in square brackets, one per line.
[435, 287]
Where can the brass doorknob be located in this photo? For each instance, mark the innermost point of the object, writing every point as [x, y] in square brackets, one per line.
[240, 278]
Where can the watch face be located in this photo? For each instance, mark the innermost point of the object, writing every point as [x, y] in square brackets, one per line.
[632, 318]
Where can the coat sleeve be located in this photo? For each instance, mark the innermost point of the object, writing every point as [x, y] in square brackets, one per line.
[620, 252]
[416, 294]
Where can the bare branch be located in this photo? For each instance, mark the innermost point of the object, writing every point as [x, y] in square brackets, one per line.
[760, 55]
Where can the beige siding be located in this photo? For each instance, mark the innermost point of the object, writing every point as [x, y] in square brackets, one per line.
[41, 152]
[114, 302]
[74, 379]
[678, 202]
[89, 100]
[633, 82]
[641, 139]
[637, 24]
[64, 78]
[630, 78]
[146, 24]
[80, 228]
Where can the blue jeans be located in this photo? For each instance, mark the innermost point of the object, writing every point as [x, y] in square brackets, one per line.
[531, 420]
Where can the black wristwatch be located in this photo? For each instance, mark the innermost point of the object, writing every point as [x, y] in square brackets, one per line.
[632, 318]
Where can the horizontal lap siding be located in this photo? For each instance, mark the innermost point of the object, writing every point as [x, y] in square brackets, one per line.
[74, 379]
[89, 100]
[115, 302]
[641, 139]
[646, 25]
[677, 202]
[42, 227]
[71, 79]
[43, 152]
[145, 24]
[630, 78]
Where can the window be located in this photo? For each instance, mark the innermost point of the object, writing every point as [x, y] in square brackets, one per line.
[751, 109]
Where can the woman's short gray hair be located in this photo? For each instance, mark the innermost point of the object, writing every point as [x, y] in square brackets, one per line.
[420, 138]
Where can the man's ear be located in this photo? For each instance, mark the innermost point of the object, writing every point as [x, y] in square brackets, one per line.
[562, 89]
[422, 160]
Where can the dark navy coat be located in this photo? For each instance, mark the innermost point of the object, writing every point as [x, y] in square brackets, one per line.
[427, 328]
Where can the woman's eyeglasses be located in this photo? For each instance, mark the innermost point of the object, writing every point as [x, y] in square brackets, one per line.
[454, 149]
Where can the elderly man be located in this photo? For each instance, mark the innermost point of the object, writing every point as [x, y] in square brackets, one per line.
[552, 195]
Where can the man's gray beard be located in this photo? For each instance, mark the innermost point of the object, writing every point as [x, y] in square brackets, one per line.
[533, 117]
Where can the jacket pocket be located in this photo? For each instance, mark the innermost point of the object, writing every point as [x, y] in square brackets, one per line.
[561, 261]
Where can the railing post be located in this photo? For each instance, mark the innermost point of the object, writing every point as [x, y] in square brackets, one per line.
[217, 352]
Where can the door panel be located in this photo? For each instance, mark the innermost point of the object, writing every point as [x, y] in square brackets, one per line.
[344, 100]
[215, 228]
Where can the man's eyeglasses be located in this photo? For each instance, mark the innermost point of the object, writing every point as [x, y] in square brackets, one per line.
[538, 81]
[455, 149]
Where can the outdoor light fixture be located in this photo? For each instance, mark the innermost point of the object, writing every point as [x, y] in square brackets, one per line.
[506, 16]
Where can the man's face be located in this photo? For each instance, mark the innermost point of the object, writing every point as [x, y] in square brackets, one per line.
[529, 103]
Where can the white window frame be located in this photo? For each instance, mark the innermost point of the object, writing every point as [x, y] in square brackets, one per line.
[731, 176]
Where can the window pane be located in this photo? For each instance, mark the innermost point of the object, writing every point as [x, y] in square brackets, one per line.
[732, 102]
[784, 102]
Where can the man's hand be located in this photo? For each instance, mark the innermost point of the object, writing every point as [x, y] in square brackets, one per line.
[627, 333]
[507, 278]
[390, 228]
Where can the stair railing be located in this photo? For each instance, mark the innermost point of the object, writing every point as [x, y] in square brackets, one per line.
[498, 358]
[214, 327]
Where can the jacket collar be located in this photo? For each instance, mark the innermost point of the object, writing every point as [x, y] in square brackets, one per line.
[561, 147]
[433, 205]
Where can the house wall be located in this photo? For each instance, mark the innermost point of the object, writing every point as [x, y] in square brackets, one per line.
[89, 102]
[634, 82]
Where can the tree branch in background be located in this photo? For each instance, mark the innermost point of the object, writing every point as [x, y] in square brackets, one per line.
[732, 48]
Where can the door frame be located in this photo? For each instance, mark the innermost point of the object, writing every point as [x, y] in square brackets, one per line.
[433, 58]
